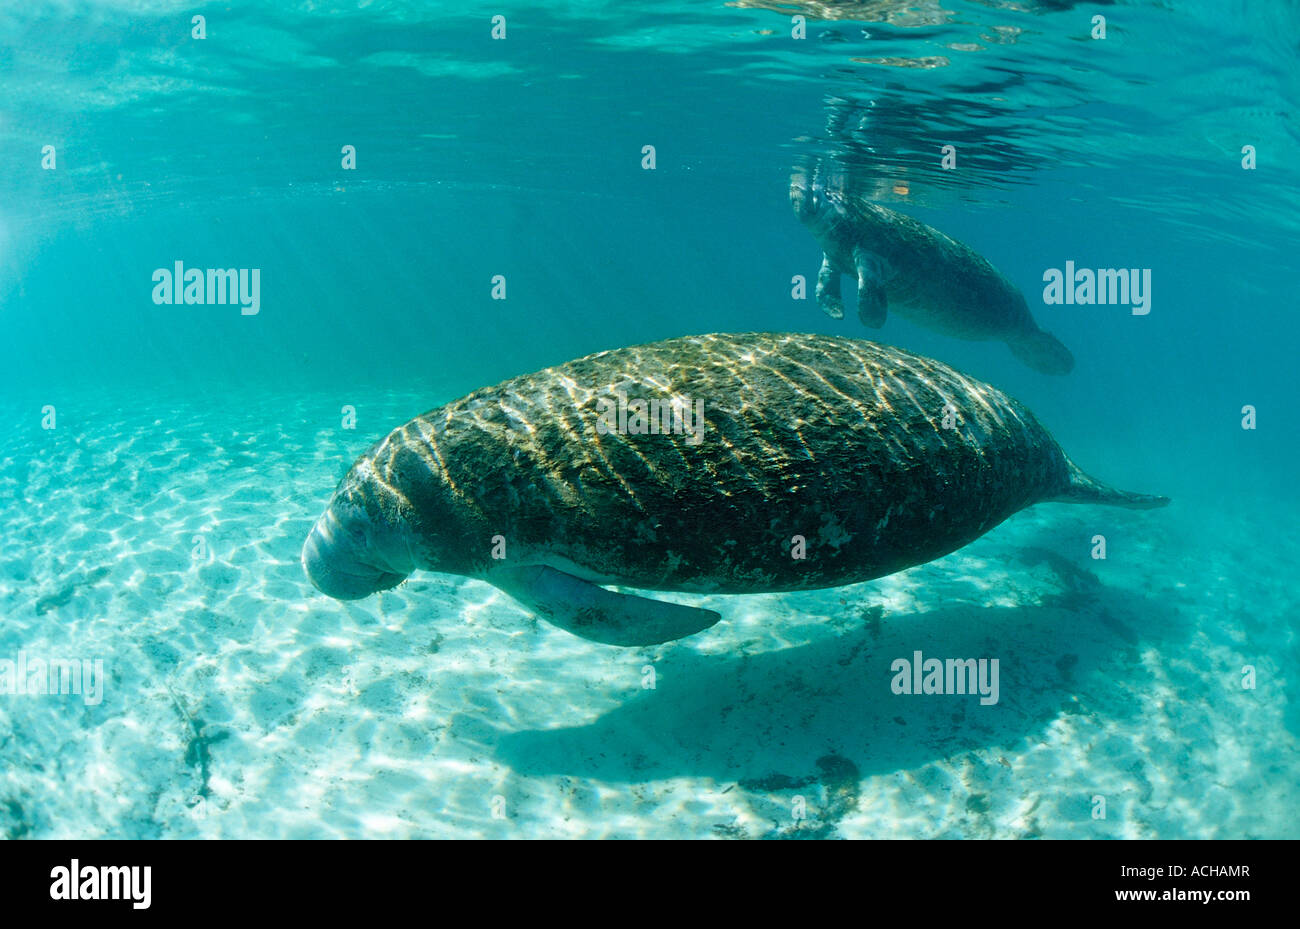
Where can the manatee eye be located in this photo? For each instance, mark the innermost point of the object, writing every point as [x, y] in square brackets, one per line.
[356, 534]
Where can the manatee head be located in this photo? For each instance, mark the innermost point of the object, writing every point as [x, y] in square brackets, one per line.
[817, 207]
[359, 546]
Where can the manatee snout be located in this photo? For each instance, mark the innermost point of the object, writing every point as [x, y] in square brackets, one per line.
[341, 561]
[808, 199]
[820, 209]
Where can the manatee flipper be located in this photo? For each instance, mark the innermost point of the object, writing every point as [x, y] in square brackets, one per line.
[1042, 351]
[828, 290]
[594, 613]
[1085, 489]
[872, 305]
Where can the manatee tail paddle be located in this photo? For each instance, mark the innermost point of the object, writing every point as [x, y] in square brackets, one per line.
[1043, 352]
[1084, 489]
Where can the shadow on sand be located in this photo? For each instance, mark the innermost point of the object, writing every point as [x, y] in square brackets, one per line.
[788, 716]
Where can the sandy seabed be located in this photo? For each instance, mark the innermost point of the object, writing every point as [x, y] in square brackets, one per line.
[238, 702]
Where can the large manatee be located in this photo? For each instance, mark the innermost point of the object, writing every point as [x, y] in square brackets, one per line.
[693, 464]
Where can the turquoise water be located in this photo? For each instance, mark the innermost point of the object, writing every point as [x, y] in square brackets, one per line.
[157, 525]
